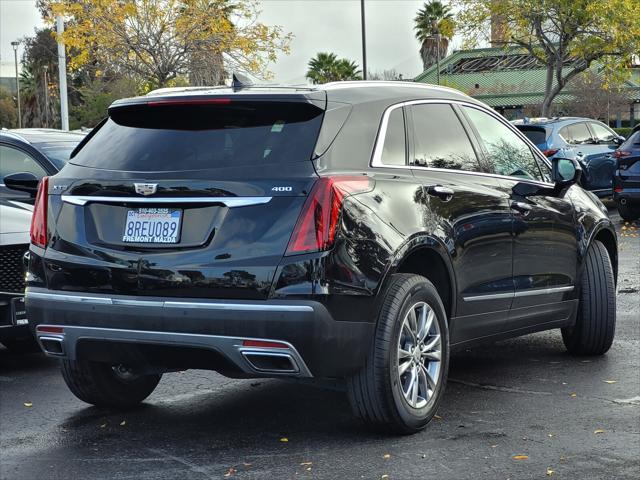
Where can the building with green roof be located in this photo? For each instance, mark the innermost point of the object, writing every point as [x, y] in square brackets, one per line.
[512, 81]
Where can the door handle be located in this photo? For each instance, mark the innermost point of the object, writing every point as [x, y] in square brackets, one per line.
[443, 193]
[521, 207]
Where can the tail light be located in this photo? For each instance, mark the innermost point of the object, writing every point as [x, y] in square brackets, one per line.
[621, 153]
[318, 222]
[550, 152]
[618, 189]
[39, 217]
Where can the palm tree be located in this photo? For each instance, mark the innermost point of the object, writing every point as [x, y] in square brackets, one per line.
[433, 19]
[327, 67]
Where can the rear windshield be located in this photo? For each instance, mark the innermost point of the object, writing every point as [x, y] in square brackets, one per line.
[197, 137]
[537, 135]
[58, 153]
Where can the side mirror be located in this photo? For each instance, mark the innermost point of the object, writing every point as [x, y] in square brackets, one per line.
[619, 140]
[23, 182]
[566, 172]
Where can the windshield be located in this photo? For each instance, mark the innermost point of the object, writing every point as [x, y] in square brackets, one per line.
[58, 153]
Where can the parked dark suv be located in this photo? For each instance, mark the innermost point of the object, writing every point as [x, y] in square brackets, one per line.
[626, 179]
[353, 232]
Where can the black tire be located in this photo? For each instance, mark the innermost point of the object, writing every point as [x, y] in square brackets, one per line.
[595, 324]
[375, 392]
[629, 213]
[98, 384]
[23, 345]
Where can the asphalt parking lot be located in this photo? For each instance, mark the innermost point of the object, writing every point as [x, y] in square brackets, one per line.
[517, 409]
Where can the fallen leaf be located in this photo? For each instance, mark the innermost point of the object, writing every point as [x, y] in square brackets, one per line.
[284, 439]
[494, 446]
[521, 457]
[550, 435]
[28, 404]
[123, 423]
[308, 469]
[386, 455]
[103, 425]
[550, 472]
[230, 472]
[599, 430]
[573, 395]
[384, 477]
[424, 456]
[306, 463]
[246, 464]
[610, 381]
[437, 417]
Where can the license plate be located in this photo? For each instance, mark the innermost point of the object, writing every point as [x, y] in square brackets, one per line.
[18, 311]
[152, 225]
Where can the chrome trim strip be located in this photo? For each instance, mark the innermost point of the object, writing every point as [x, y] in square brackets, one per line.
[542, 291]
[243, 307]
[519, 293]
[226, 201]
[246, 307]
[490, 296]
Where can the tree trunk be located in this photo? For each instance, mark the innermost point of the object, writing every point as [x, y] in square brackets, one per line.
[206, 68]
[548, 88]
[429, 51]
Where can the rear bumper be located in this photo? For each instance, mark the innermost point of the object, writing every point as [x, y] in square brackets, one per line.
[627, 195]
[316, 344]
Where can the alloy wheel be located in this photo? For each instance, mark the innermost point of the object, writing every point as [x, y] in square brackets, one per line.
[419, 355]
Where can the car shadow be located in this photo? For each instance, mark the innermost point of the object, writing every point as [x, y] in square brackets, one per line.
[245, 412]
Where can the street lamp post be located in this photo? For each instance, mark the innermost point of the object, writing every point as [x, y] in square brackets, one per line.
[364, 42]
[15, 44]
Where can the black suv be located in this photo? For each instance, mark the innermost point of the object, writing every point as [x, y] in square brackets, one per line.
[354, 233]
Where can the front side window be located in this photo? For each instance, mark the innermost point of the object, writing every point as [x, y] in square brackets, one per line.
[14, 160]
[602, 133]
[577, 133]
[441, 141]
[508, 153]
[394, 148]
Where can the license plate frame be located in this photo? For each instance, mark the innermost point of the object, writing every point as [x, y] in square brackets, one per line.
[18, 312]
[152, 226]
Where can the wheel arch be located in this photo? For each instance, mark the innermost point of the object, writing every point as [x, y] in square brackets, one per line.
[604, 232]
[427, 256]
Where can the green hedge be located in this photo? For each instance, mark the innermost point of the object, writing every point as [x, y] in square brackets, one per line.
[624, 131]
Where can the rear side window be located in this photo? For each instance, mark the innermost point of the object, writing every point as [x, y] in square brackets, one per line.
[577, 133]
[184, 136]
[394, 149]
[537, 135]
[440, 141]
